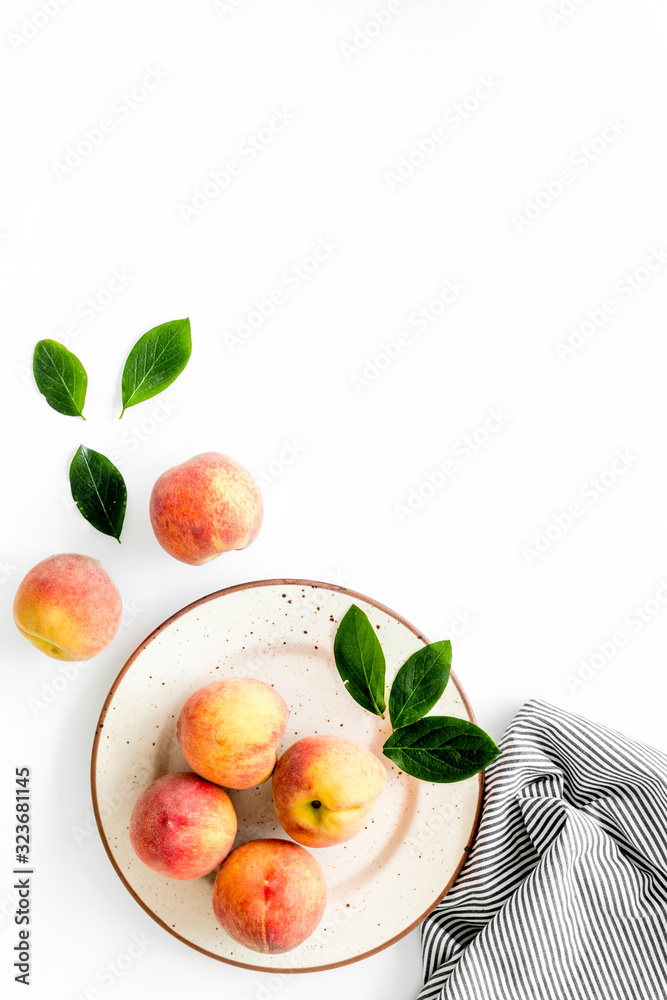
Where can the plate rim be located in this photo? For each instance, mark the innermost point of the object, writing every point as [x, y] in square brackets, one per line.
[279, 581]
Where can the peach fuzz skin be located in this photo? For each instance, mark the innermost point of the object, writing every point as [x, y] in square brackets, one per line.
[68, 607]
[182, 827]
[325, 788]
[229, 731]
[204, 507]
[269, 895]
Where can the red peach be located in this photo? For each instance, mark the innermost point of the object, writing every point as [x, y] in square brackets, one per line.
[229, 731]
[68, 607]
[204, 507]
[269, 895]
[182, 826]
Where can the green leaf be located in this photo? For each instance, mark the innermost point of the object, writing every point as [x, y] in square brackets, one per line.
[360, 660]
[60, 377]
[99, 491]
[419, 683]
[155, 361]
[441, 748]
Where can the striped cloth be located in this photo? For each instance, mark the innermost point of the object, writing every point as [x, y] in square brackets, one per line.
[564, 896]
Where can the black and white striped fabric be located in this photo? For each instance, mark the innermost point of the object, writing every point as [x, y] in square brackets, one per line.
[564, 896]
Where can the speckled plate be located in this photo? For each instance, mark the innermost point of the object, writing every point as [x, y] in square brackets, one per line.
[382, 883]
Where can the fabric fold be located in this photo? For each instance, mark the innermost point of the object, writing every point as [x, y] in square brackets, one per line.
[564, 896]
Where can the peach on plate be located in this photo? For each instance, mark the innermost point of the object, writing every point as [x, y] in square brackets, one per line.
[325, 788]
[182, 827]
[230, 730]
[269, 895]
[68, 607]
[204, 507]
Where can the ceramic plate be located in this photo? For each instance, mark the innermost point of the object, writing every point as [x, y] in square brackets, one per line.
[382, 883]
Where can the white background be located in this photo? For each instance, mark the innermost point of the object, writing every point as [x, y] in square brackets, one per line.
[331, 512]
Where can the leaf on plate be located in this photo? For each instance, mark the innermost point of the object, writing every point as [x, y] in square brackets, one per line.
[441, 748]
[60, 377]
[99, 491]
[155, 361]
[419, 683]
[360, 660]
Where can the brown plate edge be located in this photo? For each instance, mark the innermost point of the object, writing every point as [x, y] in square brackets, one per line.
[100, 725]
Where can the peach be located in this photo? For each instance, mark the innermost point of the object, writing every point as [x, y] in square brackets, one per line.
[269, 895]
[229, 731]
[206, 506]
[325, 788]
[68, 607]
[182, 826]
